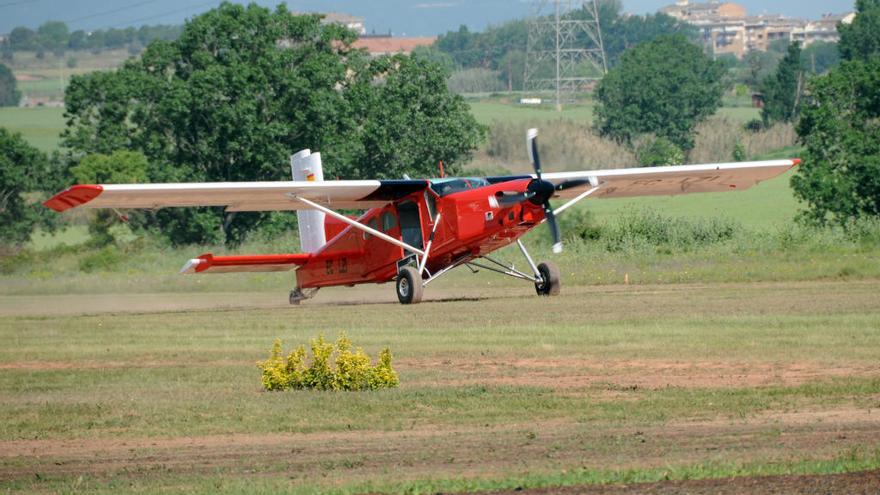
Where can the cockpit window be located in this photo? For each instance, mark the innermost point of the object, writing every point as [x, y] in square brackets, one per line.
[389, 221]
[444, 187]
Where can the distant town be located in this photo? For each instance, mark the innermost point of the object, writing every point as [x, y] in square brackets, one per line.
[727, 28]
[724, 27]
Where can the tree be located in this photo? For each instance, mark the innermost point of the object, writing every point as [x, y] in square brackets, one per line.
[54, 36]
[228, 102]
[783, 91]
[861, 39]
[840, 128]
[9, 94]
[121, 167]
[820, 57]
[22, 38]
[23, 170]
[665, 87]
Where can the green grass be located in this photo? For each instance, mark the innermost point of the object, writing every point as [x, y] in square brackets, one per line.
[43, 88]
[766, 206]
[40, 126]
[489, 111]
[491, 396]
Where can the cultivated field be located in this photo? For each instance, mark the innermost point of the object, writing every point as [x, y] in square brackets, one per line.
[499, 389]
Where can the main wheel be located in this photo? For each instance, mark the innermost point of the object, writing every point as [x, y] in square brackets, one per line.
[409, 286]
[549, 284]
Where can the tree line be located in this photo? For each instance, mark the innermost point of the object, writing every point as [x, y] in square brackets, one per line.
[55, 37]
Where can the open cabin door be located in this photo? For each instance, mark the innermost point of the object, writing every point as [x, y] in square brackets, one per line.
[410, 224]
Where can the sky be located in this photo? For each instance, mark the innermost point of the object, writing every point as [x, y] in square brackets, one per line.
[401, 17]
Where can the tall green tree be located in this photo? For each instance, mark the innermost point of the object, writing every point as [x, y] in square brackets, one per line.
[9, 94]
[663, 87]
[22, 38]
[23, 170]
[820, 57]
[53, 35]
[861, 39]
[783, 91]
[244, 87]
[121, 167]
[840, 127]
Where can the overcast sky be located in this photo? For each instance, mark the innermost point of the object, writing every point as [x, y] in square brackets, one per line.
[402, 17]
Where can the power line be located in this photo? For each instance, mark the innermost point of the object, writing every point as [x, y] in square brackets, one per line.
[171, 12]
[108, 12]
[13, 4]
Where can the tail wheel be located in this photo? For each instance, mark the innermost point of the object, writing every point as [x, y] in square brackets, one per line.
[549, 284]
[409, 286]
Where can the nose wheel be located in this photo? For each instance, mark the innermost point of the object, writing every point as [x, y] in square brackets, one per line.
[549, 284]
[409, 286]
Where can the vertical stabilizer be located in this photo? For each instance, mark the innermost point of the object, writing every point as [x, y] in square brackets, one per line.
[306, 166]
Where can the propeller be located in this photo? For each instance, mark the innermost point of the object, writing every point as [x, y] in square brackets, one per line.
[539, 191]
[543, 190]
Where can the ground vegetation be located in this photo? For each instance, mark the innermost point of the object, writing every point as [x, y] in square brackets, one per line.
[24, 171]
[9, 94]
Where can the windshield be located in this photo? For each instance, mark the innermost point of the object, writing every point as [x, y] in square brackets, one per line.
[444, 187]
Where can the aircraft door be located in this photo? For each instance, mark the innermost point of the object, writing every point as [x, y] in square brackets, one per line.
[410, 224]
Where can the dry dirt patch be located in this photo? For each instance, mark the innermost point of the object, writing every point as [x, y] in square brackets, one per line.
[578, 373]
[450, 452]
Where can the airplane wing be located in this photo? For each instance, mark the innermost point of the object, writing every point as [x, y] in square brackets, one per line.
[681, 179]
[237, 196]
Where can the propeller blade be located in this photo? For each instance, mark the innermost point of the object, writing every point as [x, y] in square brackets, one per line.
[554, 227]
[532, 142]
[562, 186]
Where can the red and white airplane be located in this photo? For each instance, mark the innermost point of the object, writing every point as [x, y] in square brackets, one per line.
[413, 231]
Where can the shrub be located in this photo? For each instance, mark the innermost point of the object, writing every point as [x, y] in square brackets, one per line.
[350, 370]
[659, 152]
[648, 229]
[103, 259]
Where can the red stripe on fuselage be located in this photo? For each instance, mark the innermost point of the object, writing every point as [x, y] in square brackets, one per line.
[211, 261]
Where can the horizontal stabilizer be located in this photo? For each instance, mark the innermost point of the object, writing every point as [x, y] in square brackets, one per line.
[208, 263]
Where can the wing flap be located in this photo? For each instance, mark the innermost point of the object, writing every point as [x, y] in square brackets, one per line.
[208, 263]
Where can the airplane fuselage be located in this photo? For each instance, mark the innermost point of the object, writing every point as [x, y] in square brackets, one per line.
[473, 222]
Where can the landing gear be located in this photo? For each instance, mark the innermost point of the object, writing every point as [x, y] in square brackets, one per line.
[409, 285]
[299, 295]
[549, 284]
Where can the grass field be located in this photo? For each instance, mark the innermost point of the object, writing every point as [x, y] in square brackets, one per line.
[40, 126]
[499, 389]
[488, 111]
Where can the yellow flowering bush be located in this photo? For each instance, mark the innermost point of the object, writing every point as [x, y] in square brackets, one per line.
[350, 370]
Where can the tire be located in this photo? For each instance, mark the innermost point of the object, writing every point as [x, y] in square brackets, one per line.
[550, 285]
[409, 286]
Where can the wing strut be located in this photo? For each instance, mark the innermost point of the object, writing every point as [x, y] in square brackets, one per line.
[358, 225]
[579, 197]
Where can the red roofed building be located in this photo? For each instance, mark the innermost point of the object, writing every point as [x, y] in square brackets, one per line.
[386, 45]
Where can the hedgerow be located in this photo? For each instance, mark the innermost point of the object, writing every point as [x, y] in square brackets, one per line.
[349, 370]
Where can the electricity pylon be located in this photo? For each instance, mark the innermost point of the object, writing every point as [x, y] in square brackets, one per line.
[565, 50]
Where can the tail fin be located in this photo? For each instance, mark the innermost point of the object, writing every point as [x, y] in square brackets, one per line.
[306, 166]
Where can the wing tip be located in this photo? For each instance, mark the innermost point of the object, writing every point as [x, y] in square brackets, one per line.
[73, 196]
[795, 162]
